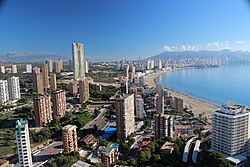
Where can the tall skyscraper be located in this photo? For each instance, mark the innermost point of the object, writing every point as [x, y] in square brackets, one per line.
[58, 66]
[4, 91]
[70, 65]
[59, 103]
[42, 110]
[159, 90]
[69, 136]
[84, 90]
[50, 65]
[78, 60]
[28, 68]
[14, 69]
[159, 64]
[23, 143]
[53, 84]
[178, 104]
[45, 75]
[231, 130]
[125, 119]
[14, 88]
[163, 126]
[37, 80]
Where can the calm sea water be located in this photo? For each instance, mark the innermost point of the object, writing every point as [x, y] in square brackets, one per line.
[214, 85]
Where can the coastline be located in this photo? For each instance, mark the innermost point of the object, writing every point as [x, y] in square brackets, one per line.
[196, 105]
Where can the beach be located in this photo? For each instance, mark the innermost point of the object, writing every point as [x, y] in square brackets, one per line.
[196, 105]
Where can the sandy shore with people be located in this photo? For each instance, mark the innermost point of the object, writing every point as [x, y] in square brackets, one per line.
[196, 105]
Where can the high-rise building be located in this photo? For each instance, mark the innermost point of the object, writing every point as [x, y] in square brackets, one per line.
[70, 65]
[23, 143]
[178, 104]
[108, 156]
[14, 88]
[159, 104]
[126, 70]
[45, 75]
[133, 69]
[50, 65]
[84, 90]
[28, 68]
[14, 69]
[52, 80]
[140, 112]
[148, 65]
[58, 66]
[73, 88]
[125, 120]
[2, 69]
[86, 66]
[163, 126]
[58, 103]
[4, 91]
[152, 64]
[159, 90]
[159, 64]
[231, 130]
[37, 80]
[42, 110]
[78, 60]
[69, 136]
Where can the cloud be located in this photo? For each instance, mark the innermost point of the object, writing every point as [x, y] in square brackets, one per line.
[170, 48]
[240, 42]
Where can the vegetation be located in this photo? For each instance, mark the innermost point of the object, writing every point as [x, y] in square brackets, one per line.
[125, 147]
[105, 94]
[65, 159]
[213, 159]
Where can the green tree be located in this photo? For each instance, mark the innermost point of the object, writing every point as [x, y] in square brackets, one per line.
[213, 159]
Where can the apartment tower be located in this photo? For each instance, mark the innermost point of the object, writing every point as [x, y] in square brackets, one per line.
[37, 80]
[52, 80]
[125, 117]
[23, 143]
[42, 110]
[45, 74]
[78, 60]
[14, 88]
[69, 136]
[4, 91]
[59, 103]
[84, 90]
[163, 126]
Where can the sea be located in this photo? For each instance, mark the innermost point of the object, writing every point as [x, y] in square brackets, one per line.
[217, 85]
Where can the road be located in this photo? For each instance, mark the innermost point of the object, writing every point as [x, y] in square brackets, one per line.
[92, 123]
[47, 152]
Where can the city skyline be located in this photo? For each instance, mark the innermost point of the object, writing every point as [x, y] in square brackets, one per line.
[113, 30]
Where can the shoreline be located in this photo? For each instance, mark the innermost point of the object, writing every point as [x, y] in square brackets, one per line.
[198, 106]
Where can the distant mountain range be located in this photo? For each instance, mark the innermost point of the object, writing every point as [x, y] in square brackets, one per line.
[29, 57]
[223, 54]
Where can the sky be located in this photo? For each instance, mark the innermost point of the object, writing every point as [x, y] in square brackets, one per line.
[123, 29]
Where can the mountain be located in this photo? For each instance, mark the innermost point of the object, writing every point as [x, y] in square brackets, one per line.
[29, 57]
[222, 54]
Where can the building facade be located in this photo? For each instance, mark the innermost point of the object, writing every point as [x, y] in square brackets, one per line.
[23, 143]
[84, 90]
[58, 103]
[125, 118]
[42, 110]
[69, 136]
[37, 80]
[45, 75]
[52, 80]
[14, 69]
[230, 130]
[14, 88]
[28, 68]
[108, 156]
[78, 60]
[4, 91]
[163, 126]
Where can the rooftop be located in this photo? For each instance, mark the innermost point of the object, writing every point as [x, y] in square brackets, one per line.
[233, 109]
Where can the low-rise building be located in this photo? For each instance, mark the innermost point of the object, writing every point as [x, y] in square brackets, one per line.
[109, 155]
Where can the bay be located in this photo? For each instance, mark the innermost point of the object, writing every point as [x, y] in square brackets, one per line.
[214, 85]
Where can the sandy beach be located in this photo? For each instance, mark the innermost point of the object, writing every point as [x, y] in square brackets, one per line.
[196, 105]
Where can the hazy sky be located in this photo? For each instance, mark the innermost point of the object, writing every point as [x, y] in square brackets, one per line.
[116, 29]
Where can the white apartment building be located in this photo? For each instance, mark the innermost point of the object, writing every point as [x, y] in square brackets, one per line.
[230, 130]
[2, 69]
[14, 88]
[23, 143]
[28, 68]
[14, 69]
[140, 112]
[4, 93]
